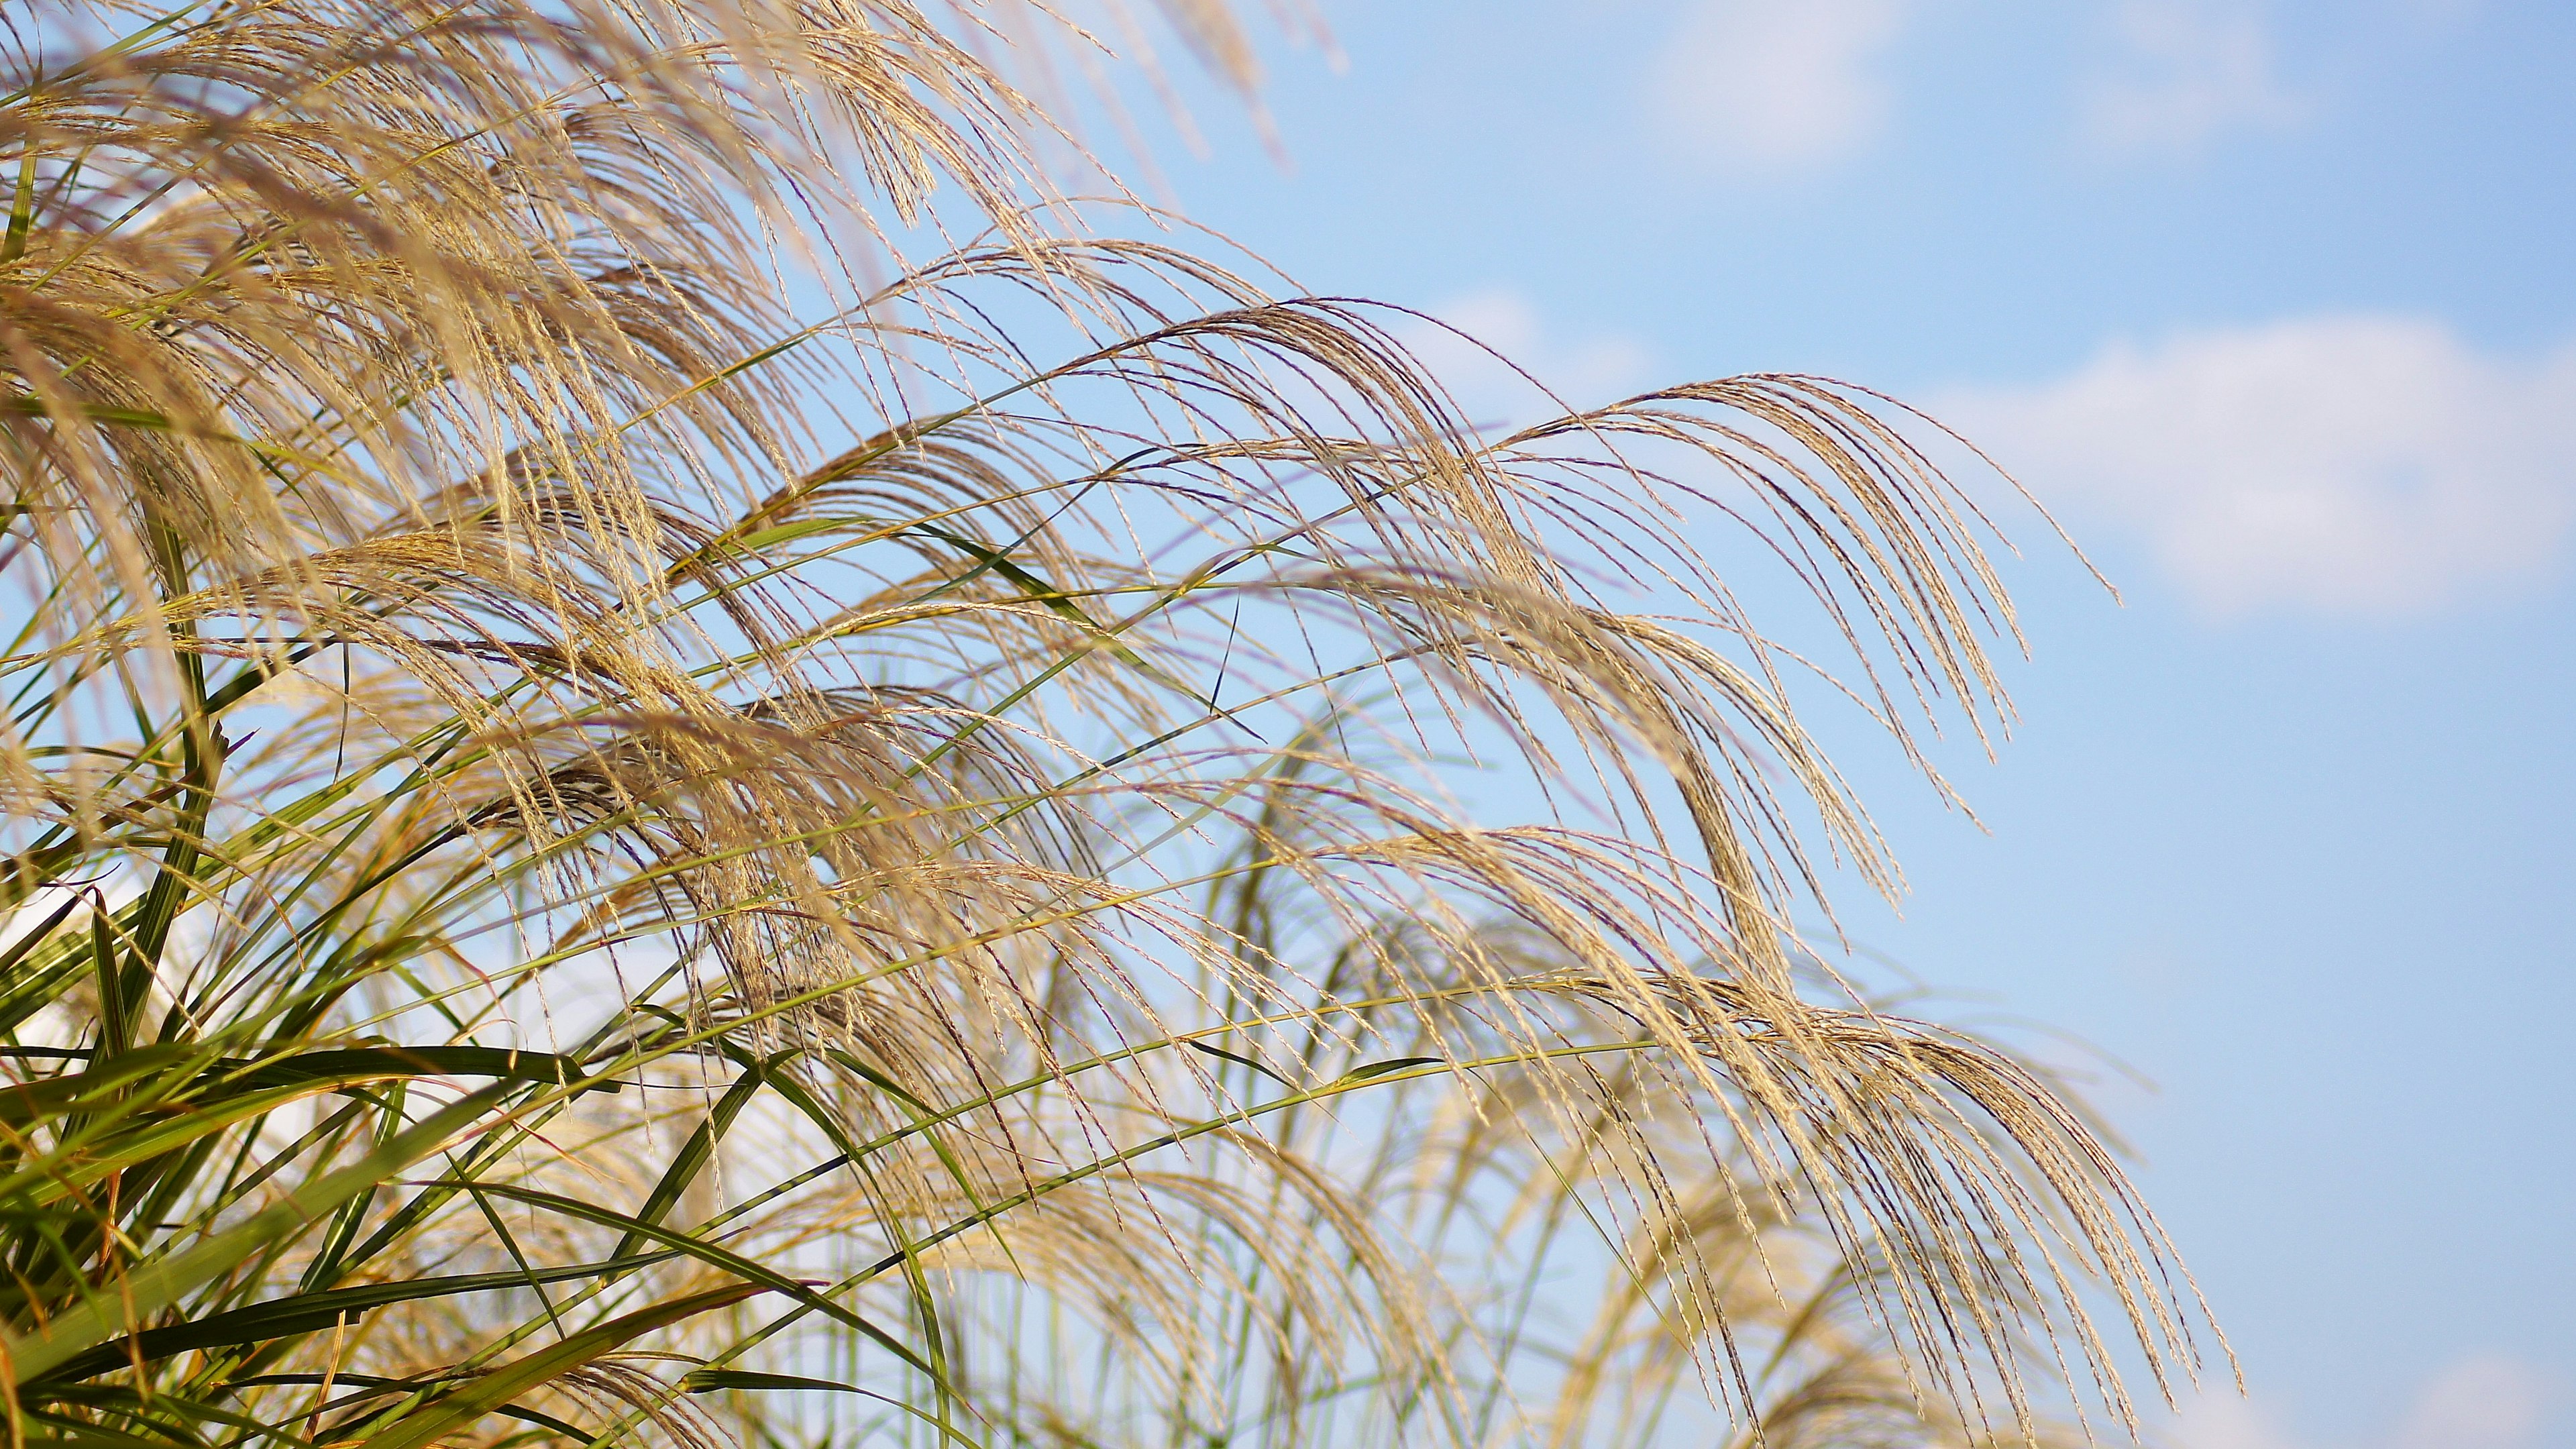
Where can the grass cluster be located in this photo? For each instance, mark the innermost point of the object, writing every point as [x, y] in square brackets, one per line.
[600, 850]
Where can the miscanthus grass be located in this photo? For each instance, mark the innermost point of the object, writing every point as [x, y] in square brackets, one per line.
[683, 765]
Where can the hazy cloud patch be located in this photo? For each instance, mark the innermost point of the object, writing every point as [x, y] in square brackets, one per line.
[2483, 1401]
[1581, 371]
[2359, 465]
[1759, 86]
[2488, 1401]
[2188, 71]
[2224, 1421]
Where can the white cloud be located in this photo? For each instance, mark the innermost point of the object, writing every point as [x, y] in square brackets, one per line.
[2189, 71]
[2486, 1402]
[2357, 465]
[1583, 372]
[2224, 1421]
[1761, 85]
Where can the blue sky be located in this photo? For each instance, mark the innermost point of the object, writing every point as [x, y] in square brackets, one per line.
[2274, 305]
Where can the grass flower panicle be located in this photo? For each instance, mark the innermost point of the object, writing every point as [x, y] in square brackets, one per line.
[686, 763]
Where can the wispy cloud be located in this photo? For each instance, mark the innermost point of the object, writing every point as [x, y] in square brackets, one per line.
[2489, 1401]
[2352, 465]
[1761, 86]
[2187, 72]
[1581, 371]
[2223, 1421]
[2483, 1401]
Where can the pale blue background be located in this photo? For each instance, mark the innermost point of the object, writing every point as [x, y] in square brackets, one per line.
[2303, 860]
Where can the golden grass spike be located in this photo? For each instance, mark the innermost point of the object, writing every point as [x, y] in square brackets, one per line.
[640, 532]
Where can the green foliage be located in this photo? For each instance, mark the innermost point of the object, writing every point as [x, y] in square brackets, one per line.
[538, 911]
